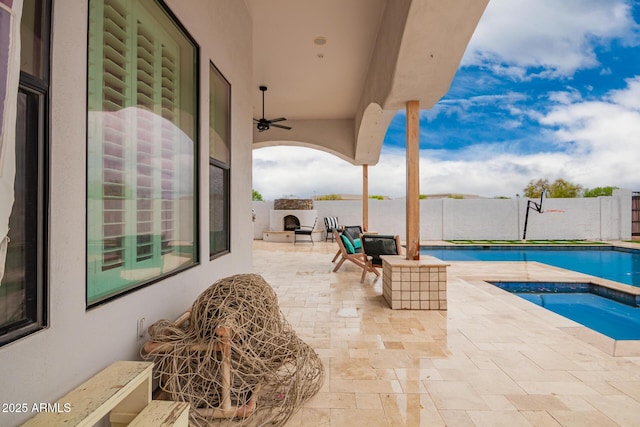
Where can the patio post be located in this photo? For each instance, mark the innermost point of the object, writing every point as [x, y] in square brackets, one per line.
[365, 197]
[413, 180]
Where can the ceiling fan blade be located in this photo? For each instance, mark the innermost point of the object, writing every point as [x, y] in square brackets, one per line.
[279, 119]
[256, 120]
[280, 126]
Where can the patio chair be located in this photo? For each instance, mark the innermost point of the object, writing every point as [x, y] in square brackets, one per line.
[332, 224]
[353, 233]
[304, 230]
[374, 245]
[348, 252]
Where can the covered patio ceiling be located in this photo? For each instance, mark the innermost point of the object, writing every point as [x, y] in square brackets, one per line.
[339, 70]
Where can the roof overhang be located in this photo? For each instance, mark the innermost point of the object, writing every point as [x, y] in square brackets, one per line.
[340, 96]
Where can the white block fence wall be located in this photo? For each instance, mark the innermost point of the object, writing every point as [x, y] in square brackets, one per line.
[597, 218]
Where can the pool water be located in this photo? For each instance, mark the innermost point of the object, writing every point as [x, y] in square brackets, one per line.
[617, 264]
[611, 313]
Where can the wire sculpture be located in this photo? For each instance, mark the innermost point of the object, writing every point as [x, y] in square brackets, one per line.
[234, 357]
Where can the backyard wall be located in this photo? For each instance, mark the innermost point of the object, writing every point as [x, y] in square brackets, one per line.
[601, 218]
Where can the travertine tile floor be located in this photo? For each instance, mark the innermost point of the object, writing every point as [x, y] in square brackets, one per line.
[491, 359]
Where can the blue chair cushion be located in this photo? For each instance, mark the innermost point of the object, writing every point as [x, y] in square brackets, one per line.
[351, 239]
[347, 244]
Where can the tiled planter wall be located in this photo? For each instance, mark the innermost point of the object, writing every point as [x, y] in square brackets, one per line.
[414, 285]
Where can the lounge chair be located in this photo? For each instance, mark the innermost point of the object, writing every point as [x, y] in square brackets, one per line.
[374, 245]
[348, 252]
[332, 224]
[353, 232]
[304, 230]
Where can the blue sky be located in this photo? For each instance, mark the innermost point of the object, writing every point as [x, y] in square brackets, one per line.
[546, 89]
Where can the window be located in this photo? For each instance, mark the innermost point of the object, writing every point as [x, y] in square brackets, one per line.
[219, 162]
[22, 287]
[142, 122]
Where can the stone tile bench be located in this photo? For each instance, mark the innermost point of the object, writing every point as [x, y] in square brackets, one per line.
[122, 391]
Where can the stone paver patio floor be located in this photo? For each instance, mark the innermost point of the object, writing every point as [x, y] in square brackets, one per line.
[492, 359]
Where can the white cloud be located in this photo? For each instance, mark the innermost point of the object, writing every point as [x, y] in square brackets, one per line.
[284, 171]
[630, 97]
[463, 106]
[559, 36]
[565, 97]
[601, 140]
[605, 135]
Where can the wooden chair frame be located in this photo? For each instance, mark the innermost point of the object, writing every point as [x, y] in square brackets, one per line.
[357, 258]
[345, 229]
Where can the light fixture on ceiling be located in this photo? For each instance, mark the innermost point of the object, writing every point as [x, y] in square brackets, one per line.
[320, 41]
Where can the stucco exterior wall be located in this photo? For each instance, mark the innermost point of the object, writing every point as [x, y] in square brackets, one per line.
[601, 218]
[78, 342]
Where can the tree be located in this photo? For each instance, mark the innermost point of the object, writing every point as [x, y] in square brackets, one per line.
[599, 191]
[560, 188]
[331, 196]
[256, 196]
[535, 188]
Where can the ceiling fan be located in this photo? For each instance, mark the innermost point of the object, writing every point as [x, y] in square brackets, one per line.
[264, 124]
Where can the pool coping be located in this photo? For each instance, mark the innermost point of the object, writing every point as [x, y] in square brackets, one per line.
[624, 296]
[600, 341]
[623, 287]
[610, 346]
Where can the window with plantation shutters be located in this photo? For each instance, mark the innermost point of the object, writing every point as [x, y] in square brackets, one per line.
[114, 91]
[141, 180]
[219, 163]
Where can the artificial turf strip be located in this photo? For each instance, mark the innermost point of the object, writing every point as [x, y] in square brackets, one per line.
[524, 242]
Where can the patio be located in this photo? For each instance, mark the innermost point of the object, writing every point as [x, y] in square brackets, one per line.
[491, 359]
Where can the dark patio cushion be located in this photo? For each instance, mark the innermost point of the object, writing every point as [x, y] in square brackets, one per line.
[375, 245]
[353, 231]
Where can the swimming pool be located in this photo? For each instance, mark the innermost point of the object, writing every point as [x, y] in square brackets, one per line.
[613, 313]
[608, 262]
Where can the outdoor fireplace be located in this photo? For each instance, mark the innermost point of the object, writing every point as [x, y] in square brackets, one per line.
[289, 214]
[291, 222]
